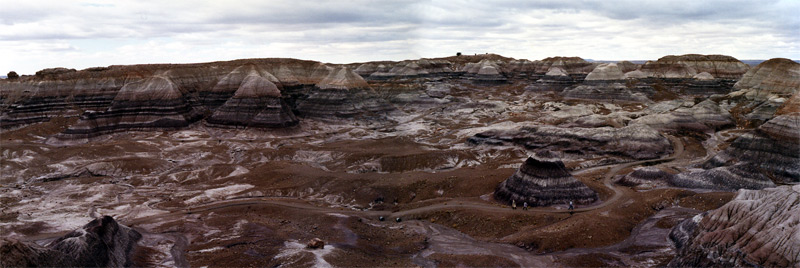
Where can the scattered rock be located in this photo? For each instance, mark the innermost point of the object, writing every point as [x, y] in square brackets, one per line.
[316, 243]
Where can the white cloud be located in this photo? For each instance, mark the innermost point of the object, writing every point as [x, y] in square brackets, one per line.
[80, 34]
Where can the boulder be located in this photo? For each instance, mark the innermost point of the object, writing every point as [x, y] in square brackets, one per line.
[316, 243]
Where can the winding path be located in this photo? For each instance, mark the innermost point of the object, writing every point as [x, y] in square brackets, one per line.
[295, 203]
[678, 149]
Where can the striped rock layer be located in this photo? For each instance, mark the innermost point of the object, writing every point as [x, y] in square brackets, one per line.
[758, 228]
[772, 150]
[342, 93]
[541, 181]
[154, 103]
[633, 141]
[646, 176]
[256, 103]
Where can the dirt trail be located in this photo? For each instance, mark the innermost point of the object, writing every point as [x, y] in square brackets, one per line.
[678, 149]
[444, 240]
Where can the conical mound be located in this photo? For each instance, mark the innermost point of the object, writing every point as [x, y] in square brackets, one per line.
[541, 181]
[230, 84]
[256, 103]
[342, 93]
[343, 78]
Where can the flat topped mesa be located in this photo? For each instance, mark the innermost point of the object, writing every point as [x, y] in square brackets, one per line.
[256, 103]
[543, 180]
[720, 66]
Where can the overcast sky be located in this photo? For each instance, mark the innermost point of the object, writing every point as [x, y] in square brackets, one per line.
[81, 34]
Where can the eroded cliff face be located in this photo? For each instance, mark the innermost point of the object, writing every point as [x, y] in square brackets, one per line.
[101, 243]
[256, 103]
[771, 152]
[207, 86]
[716, 66]
[763, 90]
[630, 142]
[757, 228]
[382, 137]
[263, 93]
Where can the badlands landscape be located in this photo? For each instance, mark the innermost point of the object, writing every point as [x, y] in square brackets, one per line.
[687, 160]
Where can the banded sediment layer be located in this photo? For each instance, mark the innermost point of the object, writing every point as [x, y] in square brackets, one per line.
[757, 228]
[543, 180]
[256, 103]
[633, 141]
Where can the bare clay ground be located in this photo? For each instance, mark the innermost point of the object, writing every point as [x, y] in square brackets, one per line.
[211, 197]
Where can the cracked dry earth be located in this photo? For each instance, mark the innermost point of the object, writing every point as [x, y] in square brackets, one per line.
[207, 196]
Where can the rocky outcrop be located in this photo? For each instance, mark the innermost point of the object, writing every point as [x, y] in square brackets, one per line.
[342, 93]
[757, 228]
[605, 72]
[706, 84]
[205, 86]
[558, 73]
[543, 180]
[705, 116]
[764, 89]
[776, 76]
[405, 69]
[616, 92]
[484, 72]
[632, 142]
[229, 84]
[576, 67]
[101, 243]
[437, 90]
[647, 177]
[154, 103]
[691, 74]
[772, 150]
[256, 103]
[718, 66]
[608, 82]
[727, 178]
[556, 79]
[668, 69]
[635, 74]
[38, 101]
[627, 66]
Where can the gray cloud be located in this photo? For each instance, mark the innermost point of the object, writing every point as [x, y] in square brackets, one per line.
[359, 30]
